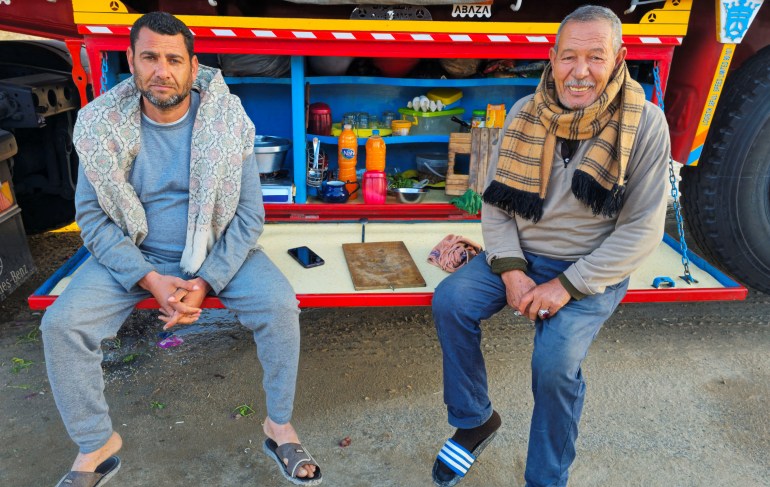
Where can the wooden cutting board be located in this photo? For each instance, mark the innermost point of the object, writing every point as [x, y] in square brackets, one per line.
[381, 265]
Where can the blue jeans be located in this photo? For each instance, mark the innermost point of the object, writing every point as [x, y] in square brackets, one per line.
[475, 293]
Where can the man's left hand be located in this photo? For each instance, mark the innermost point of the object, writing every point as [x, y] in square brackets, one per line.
[186, 304]
[549, 297]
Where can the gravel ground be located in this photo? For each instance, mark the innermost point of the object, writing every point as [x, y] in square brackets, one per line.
[678, 395]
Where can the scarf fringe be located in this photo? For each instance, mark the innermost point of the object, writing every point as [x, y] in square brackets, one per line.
[599, 199]
[512, 200]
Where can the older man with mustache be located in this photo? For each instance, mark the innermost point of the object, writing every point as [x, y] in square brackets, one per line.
[575, 202]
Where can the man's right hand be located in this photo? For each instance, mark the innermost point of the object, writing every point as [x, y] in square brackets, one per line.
[162, 287]
[517, 284]
[187, 304]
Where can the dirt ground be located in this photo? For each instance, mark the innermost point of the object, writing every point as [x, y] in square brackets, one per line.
[678, 395]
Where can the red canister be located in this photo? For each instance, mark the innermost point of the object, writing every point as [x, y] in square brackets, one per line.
[375, 187]
[319, 119]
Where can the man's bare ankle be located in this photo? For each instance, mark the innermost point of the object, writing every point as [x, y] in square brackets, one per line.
[87, 462]
[280, 433]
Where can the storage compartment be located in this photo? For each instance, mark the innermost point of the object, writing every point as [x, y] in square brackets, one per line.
[15, 259]
[432, 123]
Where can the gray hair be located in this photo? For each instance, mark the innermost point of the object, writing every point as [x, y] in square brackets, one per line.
[590, 13]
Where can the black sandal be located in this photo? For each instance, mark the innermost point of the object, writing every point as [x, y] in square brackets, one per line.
[104, 472]
[297, 457]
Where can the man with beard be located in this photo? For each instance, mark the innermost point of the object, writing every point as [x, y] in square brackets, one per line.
[169, 205]
[575, 202]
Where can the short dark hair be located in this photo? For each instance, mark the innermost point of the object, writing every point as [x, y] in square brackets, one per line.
[162, 23]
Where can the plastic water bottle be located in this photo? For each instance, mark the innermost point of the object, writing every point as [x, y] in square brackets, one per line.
[347, 157]
[375, 152]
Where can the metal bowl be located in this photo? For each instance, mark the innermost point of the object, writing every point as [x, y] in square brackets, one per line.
[410, 195]
[270, 152]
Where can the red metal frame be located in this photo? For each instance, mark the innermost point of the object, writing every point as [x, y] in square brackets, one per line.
[42, 18]
[691, 79]
[326, 212]
[79, 75]
[442, 47]
[424, 299]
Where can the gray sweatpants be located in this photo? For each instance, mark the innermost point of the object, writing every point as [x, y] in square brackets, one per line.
[94, 306]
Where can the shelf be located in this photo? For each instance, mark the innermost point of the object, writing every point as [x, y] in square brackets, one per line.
[428, 83]
[256, 80]
[398, 139]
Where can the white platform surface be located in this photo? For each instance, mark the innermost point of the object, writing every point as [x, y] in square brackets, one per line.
[333, 277]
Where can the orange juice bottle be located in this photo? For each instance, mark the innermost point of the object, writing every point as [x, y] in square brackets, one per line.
[347, 157]
[375, 152]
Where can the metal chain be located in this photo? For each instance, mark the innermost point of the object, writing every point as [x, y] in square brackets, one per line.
[103, 79]
[687, 277]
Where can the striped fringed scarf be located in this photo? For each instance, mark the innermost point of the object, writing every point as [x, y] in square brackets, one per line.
[526, 152]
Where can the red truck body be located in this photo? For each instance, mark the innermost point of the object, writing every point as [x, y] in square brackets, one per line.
[688, 43]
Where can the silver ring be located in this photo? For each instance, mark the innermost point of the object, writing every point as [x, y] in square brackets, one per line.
[544, 314]
[516, 312]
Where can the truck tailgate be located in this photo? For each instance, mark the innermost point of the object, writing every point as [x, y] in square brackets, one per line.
[330, 285]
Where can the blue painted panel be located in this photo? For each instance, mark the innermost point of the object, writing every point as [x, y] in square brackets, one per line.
[259, 80]
[297, 107]
[268, 106]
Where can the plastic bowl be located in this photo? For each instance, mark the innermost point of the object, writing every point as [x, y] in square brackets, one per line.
[435, 163]
[401, 127]
[410, 195]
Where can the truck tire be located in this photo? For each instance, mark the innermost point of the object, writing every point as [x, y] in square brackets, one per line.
[726, 198]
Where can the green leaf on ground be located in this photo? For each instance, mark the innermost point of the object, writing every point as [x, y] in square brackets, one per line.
[31, 337]
[20, 364]
[243, 410]
[130, 357]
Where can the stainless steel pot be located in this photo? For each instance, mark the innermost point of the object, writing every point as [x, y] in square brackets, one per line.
[270, 152]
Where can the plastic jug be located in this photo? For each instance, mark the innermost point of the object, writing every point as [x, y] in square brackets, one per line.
[375, 152]
[319, 119]
[347, 157]
[375, 187]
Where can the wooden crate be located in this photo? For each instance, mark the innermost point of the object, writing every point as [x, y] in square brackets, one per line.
[478, 144]
[459, 143]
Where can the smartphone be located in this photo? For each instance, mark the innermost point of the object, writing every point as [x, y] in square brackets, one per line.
[306, 257]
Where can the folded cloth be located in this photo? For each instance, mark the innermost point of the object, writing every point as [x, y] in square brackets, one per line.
[453, 252]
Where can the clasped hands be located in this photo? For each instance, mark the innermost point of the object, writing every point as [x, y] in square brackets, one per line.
[179, 299]
[532, 300]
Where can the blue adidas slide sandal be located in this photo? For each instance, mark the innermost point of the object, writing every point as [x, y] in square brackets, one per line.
[458, 459]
